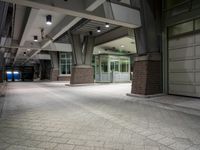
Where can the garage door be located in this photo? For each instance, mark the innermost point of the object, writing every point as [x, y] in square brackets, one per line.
[184, 65]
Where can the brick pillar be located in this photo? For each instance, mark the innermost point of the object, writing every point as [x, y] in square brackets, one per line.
[81, 75]
[54, 75]
[147, 75]
[55, 66]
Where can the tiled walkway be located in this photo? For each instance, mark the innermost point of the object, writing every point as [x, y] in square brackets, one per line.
[51, 116]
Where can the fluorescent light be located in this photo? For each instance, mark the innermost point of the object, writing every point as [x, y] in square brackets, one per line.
[49, 20]
[98, 29]
[16, 72]
[35, 38]
[49, 23]
[107, 25]
[9, 72]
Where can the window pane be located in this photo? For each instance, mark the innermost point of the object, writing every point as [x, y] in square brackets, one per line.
[124, 66]
[116, 66]
[63, 69]
[197, 24]
[181, 28]
[63, 61]
[62, 55]
[104, 66]
[97, 64]
[112, 66]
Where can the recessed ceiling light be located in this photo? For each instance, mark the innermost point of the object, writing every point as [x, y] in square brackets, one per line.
[122, 46]
[98, 29]
[49, 20]
[35, 38]
[107, 25]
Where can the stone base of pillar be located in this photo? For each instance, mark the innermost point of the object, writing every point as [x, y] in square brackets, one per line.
[147, 75]
[54, 75]
[64, 78]
[82, 75]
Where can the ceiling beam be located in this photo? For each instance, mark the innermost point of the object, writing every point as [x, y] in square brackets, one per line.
[111, 35]
[29, 24]
[64, 26]
[67, 10]
[24, 47]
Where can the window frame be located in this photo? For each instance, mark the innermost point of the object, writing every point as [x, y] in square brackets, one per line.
[65, 59]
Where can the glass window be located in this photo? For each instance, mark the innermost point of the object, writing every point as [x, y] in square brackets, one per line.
[124, 66]
[104, 66]
[112, 66]
[65, 63]
[181, 28]
[197, 24]
[116, 66]
[97, 64]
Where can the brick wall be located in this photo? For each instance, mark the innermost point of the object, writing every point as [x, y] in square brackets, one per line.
[54, 75]
[147, 77]
[82, 75]
[64, 78]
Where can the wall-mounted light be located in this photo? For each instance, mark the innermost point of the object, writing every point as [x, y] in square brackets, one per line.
[98, 29]
[107, 25]
[49, 20]
[35, 38]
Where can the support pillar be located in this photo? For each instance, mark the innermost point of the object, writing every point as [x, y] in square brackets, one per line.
[54, 73]
[147, 75]
[82, 74]
[147, 71]
[82, 71]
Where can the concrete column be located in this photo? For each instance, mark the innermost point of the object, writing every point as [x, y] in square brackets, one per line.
[147, 74]
[82, 71]
[55, 66]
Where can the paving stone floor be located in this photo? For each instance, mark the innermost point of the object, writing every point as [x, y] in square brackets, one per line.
[51, 116]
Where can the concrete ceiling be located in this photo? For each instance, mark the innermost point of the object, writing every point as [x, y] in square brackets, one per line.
[40, 23]
[126, 44]
[91, 25]
[27, 25]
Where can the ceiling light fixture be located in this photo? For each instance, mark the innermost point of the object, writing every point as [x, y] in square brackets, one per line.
[107, 25]
[49, 20]
[35, 38]
[122, 46]
[98, 29]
